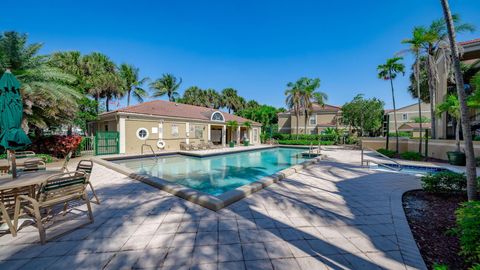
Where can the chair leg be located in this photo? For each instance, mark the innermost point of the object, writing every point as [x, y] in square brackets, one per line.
[38, 220]
[89, 207]
[65, 206]
[94, 193]
[6, 218]
[16, 214]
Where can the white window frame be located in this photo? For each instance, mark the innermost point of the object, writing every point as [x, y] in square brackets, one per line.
[146, 134]
[314, 118]
[215, 120]
[405, 116]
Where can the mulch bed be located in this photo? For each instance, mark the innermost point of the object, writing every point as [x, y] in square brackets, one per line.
[430, 217]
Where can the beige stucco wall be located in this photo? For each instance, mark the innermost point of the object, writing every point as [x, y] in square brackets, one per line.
[287, 123]
[436, 148]
[411, 112]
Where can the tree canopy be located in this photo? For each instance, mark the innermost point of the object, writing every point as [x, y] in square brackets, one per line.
[363, 115]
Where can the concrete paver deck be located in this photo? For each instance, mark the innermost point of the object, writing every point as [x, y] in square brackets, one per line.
[334, 215]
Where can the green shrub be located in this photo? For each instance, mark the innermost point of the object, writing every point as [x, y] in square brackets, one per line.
[304, 142]
[437, 266]
[388, 153]
[411, 155]
[309, 137]
[400, 134]
[351, 140]
[442, 182]
[468, 231]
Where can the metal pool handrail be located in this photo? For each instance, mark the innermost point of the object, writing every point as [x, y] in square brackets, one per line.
[384, 156]
[149, 146]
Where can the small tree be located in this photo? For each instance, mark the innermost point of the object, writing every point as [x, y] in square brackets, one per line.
[451, 105]
[232, 126]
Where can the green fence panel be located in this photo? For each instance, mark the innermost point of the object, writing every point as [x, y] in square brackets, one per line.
[107, 143]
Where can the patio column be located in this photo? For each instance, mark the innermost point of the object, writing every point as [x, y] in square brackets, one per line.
[224, 135]
[121, 123]
[209, 132]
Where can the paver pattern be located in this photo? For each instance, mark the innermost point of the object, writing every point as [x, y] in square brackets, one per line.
[334, 215]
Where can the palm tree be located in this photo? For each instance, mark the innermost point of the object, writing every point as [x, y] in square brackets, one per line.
[451, 105]
[42, 84]
[102, 78]
[308, 95]
[248, 126]
[212, 99]
[232, 126]
[416, 43]
[467, 132]
[294, 100]
[132, 82]
[433, 38]
[389, 71]
[230, 99]
[167, 85]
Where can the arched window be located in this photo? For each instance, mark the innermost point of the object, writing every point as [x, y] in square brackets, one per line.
[217, 116]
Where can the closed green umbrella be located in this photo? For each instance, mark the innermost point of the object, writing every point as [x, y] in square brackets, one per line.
[12, 136]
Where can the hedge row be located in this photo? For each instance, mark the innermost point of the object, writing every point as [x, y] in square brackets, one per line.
[309, 137]
[304, 142]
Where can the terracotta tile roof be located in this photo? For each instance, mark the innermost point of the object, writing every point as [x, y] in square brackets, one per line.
[468, 42]
[173, 109]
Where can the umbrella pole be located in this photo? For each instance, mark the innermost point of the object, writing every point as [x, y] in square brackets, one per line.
[14, 163]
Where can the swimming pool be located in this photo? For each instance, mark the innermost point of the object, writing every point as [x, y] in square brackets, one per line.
[218, 174]
[409, 169]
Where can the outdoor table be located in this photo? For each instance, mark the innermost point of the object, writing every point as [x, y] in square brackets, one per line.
[26, 179]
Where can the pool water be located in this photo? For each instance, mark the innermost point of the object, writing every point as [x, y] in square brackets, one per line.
[217, 174]
[409, 169]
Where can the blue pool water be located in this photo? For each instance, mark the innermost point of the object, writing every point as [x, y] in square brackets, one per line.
[410, 169]
[217, 174]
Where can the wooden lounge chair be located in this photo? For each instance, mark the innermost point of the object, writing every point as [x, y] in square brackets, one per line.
[59, 189]
[66, 160]
[185, 146]
[87, 167]
[213, 146]
[203, 145]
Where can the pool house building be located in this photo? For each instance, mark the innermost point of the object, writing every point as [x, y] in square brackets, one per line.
[166, 125]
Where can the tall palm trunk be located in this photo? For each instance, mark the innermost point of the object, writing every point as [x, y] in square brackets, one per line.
[297, 114]
[457, 134]
[432, 92]
[107, 105]
[97, 99]
[128, 97]
[467, 132]
[306, 119]
[417, 73]
[394, 110]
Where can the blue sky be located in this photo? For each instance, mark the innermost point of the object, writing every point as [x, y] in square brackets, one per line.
[255, 47]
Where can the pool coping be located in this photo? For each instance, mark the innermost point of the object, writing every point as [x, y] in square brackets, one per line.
[211, 202]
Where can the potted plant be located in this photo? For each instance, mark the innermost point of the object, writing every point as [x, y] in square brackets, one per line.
[451, 105]
[247, 125]
[232, 126]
